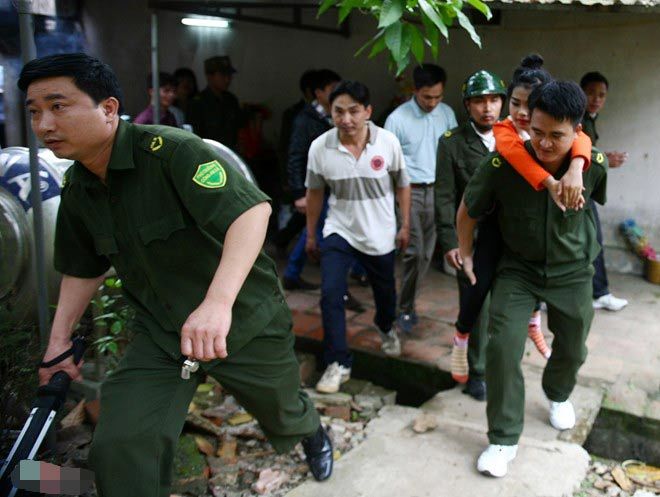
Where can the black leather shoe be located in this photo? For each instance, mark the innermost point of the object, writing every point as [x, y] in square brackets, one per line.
[475, 389]
[299, 284]
[318, 450]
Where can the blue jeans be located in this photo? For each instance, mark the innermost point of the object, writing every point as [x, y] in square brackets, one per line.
[298, 256]
[337, 256]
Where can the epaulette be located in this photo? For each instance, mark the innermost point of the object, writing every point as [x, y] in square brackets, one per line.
[598, 157]
[159, 144]
[452, 132]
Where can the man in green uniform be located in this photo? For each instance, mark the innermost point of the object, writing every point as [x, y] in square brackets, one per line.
[547, 256]
[184, 234]
[215, 112]
[460, 151]
[595, 87]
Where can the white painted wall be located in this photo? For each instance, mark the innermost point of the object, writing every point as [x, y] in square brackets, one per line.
[625, 47]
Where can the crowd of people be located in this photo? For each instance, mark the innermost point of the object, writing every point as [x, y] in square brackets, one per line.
[527, 185]
[509, 203]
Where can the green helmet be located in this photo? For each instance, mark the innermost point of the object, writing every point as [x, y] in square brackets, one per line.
[483, 83]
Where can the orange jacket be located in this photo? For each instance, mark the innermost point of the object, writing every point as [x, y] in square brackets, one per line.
[509, 144]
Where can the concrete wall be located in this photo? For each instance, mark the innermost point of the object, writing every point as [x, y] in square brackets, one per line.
[622, 46]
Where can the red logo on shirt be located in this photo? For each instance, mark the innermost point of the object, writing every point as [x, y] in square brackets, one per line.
[377, 163]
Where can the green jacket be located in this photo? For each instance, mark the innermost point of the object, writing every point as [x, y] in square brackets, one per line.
[537, 235]
[589, 127]
[160, 219]
[460, 151]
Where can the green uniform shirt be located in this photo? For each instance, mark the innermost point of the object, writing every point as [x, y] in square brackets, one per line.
[160, 220]
[537, 235]
[216, 117]
[460, 151]
[589, 127]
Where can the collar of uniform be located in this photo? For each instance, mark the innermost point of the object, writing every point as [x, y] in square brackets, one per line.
[120, 158]
[122, 149]
[332, 140]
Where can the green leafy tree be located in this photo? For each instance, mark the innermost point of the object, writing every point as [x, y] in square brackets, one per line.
[407, 28]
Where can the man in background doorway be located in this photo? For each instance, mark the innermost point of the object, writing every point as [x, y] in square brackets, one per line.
[418, 124]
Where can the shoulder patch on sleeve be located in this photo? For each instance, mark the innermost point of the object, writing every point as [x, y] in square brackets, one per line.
[210, 175]
[496, 161]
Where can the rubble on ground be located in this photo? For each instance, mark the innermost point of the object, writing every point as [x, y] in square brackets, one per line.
[223, 452]
[613, 479]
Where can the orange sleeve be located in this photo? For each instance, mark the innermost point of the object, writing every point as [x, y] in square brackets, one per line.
[510, 146]
[582, 148]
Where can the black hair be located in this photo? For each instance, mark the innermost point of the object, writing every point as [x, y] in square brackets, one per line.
[89, 74]
[594, 77]
[164, 79]
[323, 78]
[428, 75]
[185, 72]
[560, 99]
[307, 80]
[354, 89]
[529, 74]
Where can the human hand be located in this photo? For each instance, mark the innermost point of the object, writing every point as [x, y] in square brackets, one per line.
[56, 348]
[453, 258]
[403, 238]
[555, 190]
[571, 187]
[204, 334]
[468, 268]
[301, 205]
[312, 248]
[616, 159]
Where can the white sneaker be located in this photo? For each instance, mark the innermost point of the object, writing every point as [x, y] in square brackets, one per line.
[562, 415]
[391, 345]
[610, 302]
[494, 460]
[334, 375]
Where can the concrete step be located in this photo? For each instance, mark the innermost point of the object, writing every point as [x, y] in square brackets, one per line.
[455, 405]
[396, 462]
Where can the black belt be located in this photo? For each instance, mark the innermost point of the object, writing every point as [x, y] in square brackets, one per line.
[421, 185]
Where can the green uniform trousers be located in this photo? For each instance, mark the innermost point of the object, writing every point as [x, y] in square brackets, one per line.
[569, 318]
[144, 404]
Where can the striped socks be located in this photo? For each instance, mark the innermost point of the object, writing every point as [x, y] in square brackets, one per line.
[536, 335]
[459, 359]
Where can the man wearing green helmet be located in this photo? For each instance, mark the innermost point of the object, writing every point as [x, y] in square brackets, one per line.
[460, 151]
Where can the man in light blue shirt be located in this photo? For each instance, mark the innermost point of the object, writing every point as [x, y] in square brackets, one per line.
[418, 124]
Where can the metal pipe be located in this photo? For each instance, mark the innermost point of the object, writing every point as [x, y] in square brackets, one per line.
[155, 83]
[29, 52]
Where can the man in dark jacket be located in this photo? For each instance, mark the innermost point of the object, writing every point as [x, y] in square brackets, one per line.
[312, 121]
[215, 112]
[297, 221]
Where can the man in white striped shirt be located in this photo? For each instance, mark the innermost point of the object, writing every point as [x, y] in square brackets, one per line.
[363, 167]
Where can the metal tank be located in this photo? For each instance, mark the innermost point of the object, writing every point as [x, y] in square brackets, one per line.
[18, 295]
